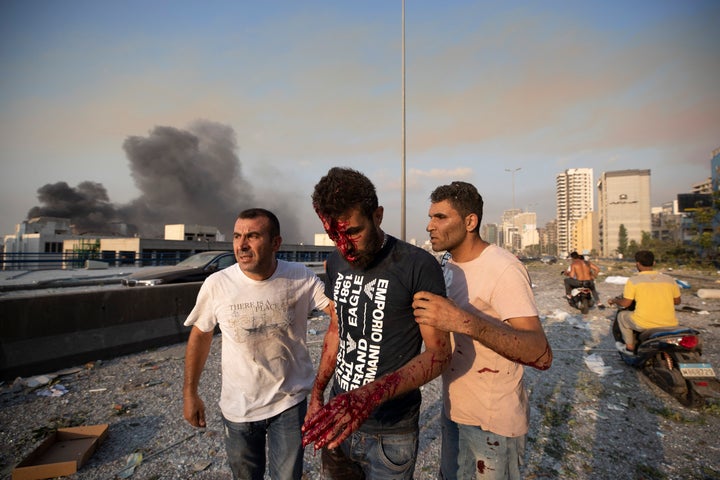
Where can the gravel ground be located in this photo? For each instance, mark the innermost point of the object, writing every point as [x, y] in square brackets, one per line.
[585, 423]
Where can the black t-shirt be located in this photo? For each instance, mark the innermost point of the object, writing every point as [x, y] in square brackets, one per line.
[377, 329]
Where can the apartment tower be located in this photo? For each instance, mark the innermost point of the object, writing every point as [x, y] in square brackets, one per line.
[574, 198]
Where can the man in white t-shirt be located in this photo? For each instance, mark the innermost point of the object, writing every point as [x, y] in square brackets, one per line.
[261, 305]
[491, 313]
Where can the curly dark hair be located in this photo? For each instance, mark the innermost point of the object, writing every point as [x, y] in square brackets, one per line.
[342, 189]
[463, 197]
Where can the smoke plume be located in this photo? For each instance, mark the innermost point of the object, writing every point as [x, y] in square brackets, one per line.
[188, 176]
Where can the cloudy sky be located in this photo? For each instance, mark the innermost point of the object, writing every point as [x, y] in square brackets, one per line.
[194, 110]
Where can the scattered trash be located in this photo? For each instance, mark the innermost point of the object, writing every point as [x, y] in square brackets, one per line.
[57, 390]
[63, 452]
[312, 331]
[597, 365]
[131, 463]
[559, 315]
[121, 409]
[617, 280]
[39, 381]
[201, 465]
[682, 283]
[96, 390]
[708, 293]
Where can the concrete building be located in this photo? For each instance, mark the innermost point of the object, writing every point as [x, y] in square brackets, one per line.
[489, 233]
[667, 222]
[508, 232]
[585, 235]
[36, 243]
[197, 233]
[47, 243]
[526, 223]
[574, 199]
[547, 236]
[519, 230]
[705, 186]
[623, 199]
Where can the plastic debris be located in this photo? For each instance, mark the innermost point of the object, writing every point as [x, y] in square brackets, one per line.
[617, 280]
[39, 381]
[132, 462]
[559, 314]
[682, 283]
[597, 365]
[57, 390]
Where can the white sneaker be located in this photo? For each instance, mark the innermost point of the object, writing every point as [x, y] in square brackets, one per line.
[623, 349]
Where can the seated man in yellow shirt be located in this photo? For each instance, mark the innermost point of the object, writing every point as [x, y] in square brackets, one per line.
[655, 295]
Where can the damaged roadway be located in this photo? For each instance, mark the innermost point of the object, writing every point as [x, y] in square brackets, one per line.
[585, 423]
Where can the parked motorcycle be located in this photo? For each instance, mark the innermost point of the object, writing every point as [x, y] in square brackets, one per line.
[581, 297]
[671, 358]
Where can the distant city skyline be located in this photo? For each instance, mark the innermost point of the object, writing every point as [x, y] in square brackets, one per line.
[252, 103]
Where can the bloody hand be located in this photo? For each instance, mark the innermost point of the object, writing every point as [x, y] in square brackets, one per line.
[334, 422]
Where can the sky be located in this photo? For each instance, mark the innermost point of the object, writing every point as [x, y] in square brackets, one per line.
[187, 112]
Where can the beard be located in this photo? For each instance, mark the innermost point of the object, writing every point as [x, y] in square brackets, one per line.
[363, 259]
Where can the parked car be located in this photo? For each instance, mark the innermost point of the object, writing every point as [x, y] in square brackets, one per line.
[195, 268]
[548, 259]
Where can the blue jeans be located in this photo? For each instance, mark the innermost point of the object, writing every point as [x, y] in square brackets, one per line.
[469, 453]
[245, 445]
[380, 456]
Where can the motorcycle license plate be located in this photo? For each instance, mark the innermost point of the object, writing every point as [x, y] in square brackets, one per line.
[691, 370]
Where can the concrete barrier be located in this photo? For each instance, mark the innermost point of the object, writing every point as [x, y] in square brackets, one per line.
[42, 334]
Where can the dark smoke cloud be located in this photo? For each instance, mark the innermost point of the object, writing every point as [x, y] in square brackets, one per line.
[87, 204]
[188, 176]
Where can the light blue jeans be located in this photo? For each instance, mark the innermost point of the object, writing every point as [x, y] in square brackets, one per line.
[245, 444]
[381, 456]
[471, 453]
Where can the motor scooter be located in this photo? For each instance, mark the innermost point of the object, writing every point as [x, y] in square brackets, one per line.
[581, 297]
[671, 358]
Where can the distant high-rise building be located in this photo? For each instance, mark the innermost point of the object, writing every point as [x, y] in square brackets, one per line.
[585, 235]
[623, 199]
[489, 232]
[548, 238]
[703, 187]
[519, 230]
[508, 234]
[574, 199]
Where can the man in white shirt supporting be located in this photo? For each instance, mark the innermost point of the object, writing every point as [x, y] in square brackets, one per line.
[261, 305]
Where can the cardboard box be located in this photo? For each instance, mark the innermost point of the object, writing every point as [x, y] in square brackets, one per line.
[61, 454]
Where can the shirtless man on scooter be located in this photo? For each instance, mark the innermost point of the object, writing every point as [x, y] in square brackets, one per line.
[580, 271]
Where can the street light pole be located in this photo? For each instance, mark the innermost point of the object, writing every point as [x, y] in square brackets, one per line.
[402, 180]
[512, 172]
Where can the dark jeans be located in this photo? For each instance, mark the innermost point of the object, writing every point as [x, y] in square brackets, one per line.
[381, 456]
[571, 283]
[245, 445]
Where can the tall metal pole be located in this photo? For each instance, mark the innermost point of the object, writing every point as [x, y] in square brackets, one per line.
[402, 181]
[513, 185]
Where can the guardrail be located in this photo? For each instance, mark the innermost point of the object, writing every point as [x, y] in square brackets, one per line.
[69, 260]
